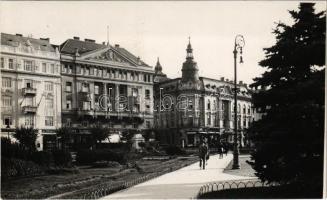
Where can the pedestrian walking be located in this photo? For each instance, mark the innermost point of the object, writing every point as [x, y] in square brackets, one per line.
[221, 152]
[203, 150]
[208, 153]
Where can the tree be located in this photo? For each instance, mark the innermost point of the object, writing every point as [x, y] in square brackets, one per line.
[288, 140]
[63, 134]
[99, 133]
[27, 137]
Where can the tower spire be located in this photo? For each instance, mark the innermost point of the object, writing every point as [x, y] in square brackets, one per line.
[189, 50]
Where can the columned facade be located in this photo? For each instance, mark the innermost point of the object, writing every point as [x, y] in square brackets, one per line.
[105, 85]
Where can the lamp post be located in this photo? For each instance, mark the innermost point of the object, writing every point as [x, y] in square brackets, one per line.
[238, 48]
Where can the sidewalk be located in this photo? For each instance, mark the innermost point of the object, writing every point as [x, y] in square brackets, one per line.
[181, 184]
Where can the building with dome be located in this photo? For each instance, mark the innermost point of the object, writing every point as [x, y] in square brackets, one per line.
[190, 108]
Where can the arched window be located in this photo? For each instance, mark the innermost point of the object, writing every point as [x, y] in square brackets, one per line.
[249, 110]
[244, 109]
[238, 108]
[209, 104]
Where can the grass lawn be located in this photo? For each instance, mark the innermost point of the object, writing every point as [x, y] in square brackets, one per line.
[41, 187]
[245, 168]
[277, 192]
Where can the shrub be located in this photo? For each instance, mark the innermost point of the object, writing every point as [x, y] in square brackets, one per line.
[91, 156]
[174, 150]
[41, 158]
[13, 150]
[11, 167]
[62, 158]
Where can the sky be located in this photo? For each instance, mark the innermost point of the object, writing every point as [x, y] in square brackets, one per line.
[152, 29]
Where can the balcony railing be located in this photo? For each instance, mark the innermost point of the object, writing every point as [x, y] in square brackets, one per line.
[29, 91]
[29, 109]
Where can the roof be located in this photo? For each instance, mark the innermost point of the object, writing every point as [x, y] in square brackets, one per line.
[70, 46]
[16, 40]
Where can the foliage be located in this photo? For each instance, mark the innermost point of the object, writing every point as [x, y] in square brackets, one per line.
[174, 150]
[13, 150]
[288, 140]
[41, 158]
[99, 133]
[64, 134]
[91, 156]
[27, 137]
[11, 167]
[62, 158]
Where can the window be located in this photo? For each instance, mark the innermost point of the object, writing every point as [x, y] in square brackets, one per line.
[135, 92]
[49, 121]
[87, 71]
[28, 101]
[85, 87]
[29, 83]
[208, 105]
[29, 120]
[6, 82]
[147, 124]
[209, 118]
[2, 62]
[238, 108]
[190, 104]
[48, 86]
[52, 71]
[244, 123]
[86, 105]
[144, 78]
[68, 122]
[11, 64]
[100, 72]
[68, 104]
[68, 86]
[244, 109]
[44, 67]
[249, 110]
[91, 71]
[49, 103]
[96, 71]
[7, 120]
[147, 94]
[135, 125]
[96, 89]
[6, 101]
[84, 123]
[28, 65]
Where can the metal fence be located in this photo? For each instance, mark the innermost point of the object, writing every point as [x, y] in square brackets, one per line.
[234, 184]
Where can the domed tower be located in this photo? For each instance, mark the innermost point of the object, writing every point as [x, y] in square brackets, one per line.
[158, 74]
[190, 68]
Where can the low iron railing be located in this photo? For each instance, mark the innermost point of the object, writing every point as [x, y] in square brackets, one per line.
[233, 184]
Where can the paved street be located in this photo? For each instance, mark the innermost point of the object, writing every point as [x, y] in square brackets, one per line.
[181, 184]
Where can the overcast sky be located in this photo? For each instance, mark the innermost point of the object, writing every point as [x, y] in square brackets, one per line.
[152, 29]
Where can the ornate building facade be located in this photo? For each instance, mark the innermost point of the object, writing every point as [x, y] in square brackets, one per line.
[30, 89]
[104, 84]
[192, 107]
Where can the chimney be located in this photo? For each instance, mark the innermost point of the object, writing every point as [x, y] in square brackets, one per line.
[245, 85]
[76, 38]
[117, 45]
[241, 83]
[89, 40]
[227, 80]
[222, 78]
[18, 34]
[45, 39]
[103, 43]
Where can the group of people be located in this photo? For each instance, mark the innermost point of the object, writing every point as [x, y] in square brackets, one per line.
[204, 152]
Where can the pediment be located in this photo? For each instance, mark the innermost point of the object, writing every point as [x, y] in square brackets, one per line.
[106, 55]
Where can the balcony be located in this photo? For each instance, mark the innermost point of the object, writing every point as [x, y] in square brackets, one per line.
[29, 91]
[29, 109]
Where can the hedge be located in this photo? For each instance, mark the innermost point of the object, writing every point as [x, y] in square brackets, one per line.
[91, 156]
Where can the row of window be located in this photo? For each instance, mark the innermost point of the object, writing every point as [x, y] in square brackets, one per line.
[68, 123]
[30, 65]
[109, 73]
[7, 83]
[29, 120]
[223, 107]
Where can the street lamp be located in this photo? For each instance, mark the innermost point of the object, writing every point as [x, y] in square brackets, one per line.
[238, 48]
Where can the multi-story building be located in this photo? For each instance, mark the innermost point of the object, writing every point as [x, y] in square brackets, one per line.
[30, 89]
[104, 84]
[193, 107]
